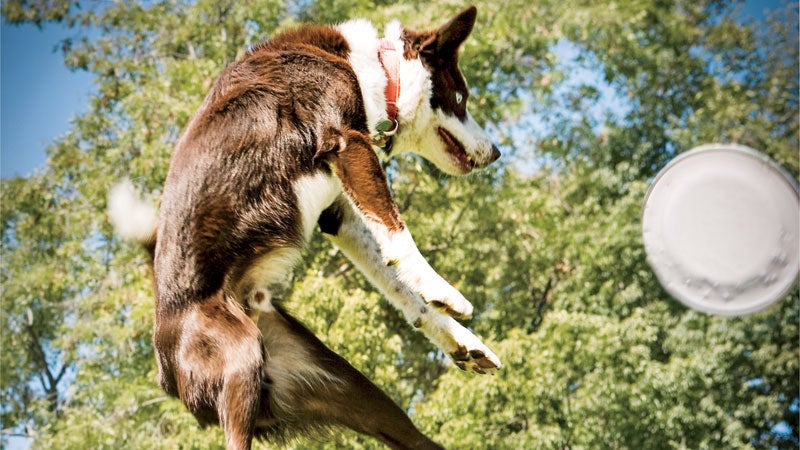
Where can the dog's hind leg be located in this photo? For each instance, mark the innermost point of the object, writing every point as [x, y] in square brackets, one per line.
[220, 367]
[267, 279]
[308, 386]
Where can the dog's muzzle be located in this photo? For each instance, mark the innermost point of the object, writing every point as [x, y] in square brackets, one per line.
[495, 155]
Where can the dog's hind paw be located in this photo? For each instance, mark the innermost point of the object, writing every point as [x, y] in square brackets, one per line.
[481, 361]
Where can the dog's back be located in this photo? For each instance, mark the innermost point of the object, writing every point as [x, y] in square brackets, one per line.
[259, 130]
[281, 143]
[229, 199]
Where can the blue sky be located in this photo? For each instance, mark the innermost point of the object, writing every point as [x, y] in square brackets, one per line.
[39, 95]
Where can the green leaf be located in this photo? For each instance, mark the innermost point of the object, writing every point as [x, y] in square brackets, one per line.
[587, 99]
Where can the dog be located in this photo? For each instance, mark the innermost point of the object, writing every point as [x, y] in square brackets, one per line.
[285, 143]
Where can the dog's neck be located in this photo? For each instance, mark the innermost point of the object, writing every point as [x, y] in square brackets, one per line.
[414, 81]
[363, 40]
[390, 60]
[375, 77]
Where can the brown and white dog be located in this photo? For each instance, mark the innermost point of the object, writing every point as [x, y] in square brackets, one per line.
[283, 143]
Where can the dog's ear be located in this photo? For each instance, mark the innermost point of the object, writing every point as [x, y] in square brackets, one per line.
[446, 40]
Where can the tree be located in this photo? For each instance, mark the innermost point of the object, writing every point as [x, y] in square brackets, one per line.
[33, 361]
[589, 100]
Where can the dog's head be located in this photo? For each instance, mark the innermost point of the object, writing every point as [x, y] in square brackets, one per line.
[433, 116]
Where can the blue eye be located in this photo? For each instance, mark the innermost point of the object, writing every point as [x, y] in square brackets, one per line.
[459, 97]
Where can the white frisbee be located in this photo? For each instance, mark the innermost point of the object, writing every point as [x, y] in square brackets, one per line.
[721, 227]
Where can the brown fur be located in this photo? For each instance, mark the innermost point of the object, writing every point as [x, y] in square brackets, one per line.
[289, 108]
[362, 177]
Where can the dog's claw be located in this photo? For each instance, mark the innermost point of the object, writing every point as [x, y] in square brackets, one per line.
[454, 305]
[462, 313]
[477, 361]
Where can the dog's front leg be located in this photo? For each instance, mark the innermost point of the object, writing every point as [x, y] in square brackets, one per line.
[366, 226]
[388, 259]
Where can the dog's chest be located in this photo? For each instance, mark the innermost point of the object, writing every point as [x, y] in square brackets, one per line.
[315, 192]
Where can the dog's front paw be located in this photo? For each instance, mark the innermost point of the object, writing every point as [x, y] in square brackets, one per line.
[472, 356]
[455, 306]
[446, 299]
[456, 341]
[481, 361]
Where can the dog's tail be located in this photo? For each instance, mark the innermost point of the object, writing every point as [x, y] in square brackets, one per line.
[133, 218]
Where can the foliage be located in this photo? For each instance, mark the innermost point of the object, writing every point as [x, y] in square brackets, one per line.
[589, 100]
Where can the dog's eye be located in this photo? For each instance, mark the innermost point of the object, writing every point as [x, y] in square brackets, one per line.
[459, 97]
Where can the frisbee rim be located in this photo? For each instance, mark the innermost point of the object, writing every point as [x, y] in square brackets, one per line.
[660, 271]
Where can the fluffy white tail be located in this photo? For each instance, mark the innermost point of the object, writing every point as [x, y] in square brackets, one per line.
[133, 218]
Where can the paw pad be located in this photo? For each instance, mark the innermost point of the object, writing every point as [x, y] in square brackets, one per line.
[476, 361]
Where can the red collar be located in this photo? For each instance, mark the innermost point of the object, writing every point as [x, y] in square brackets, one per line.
[390, 60]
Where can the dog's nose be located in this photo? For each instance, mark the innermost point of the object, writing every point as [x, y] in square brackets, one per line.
[495, 154]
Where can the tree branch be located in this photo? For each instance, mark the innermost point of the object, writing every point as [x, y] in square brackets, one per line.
[536, 317]
[37, 351]
[10, 432]
[61, 372]
[409, 195]
[51, 391]
[153, 401]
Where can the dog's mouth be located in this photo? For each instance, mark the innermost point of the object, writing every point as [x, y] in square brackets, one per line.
[456, 151]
